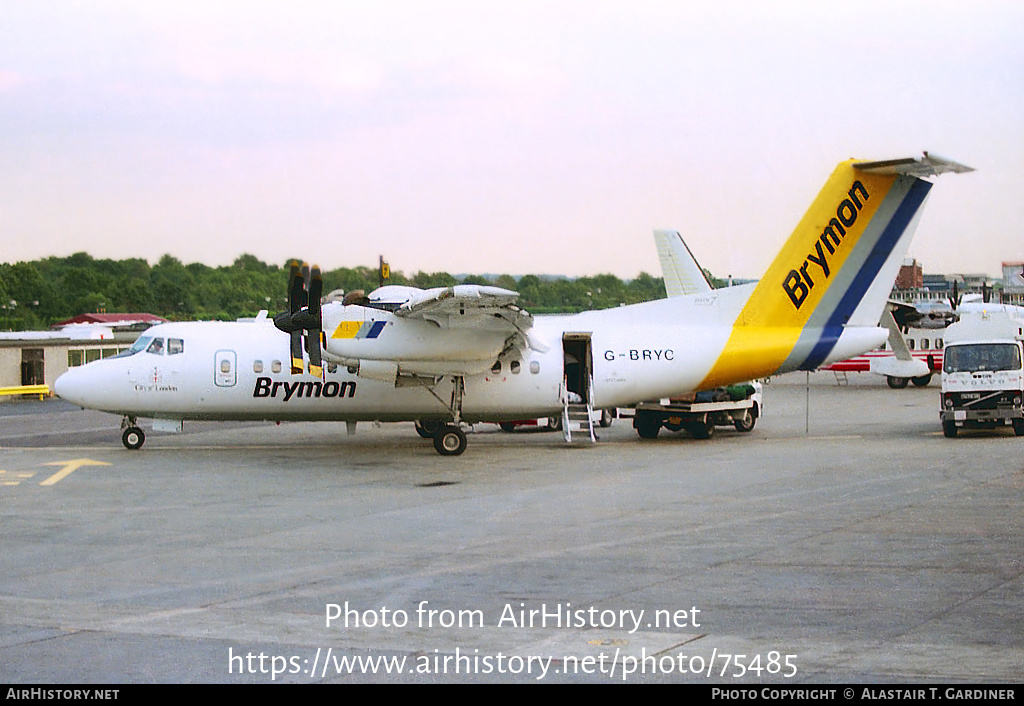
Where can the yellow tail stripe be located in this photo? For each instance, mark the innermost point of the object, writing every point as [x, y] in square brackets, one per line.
[770, 324]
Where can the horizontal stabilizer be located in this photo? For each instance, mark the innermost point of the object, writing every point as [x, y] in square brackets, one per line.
[926, 166]
[679, 267]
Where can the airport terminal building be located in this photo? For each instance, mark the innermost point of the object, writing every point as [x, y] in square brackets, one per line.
[40, 357]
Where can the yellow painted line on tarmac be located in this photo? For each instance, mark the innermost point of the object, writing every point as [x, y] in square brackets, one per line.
[69, 467]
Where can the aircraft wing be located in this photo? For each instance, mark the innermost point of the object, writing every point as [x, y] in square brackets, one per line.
[902, 313]
[446, 306]
[471, 306]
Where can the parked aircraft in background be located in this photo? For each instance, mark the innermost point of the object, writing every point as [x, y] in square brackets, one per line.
[910, 354]
[469, 353]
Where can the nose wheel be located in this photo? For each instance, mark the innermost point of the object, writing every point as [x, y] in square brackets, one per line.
[132, 436]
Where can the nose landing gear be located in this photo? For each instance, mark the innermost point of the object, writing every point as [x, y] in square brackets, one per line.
[132, 437]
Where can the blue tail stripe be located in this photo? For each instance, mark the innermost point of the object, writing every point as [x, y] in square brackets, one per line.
[869, 270]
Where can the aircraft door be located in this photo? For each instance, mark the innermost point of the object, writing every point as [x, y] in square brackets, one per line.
[225, 372]
[579, 365]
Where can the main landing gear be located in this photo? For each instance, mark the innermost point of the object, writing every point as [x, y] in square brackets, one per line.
[449, 438]
[132, 436]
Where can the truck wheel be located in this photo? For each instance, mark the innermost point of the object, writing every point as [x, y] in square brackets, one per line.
[746, 422]
[646, 426]
[703, 430]
[896, 383]
[922, 380]
[949, 430]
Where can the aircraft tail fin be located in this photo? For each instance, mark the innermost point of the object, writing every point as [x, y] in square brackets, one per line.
[679, 267]
[836, 270]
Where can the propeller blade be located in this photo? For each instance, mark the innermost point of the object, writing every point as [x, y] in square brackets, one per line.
[315, 315]
[296, 300]
[304, 316]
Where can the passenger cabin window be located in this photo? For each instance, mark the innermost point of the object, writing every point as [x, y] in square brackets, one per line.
[910, 343]
[514, 366]
[257, 366]
[924, 343]
[275, 366]
[938, 343]
[496, 368]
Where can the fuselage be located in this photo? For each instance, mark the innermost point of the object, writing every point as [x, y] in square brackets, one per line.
[240, 370]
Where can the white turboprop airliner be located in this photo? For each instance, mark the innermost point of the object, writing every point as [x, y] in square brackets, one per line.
[467, 353]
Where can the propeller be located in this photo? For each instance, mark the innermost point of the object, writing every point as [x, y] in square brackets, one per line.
[304, 286]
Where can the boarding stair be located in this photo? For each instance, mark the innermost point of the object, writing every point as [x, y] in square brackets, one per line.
[578, 415]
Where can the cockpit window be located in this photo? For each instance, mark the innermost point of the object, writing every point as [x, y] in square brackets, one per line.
[175, 346]
[156, 347]
[140, 345]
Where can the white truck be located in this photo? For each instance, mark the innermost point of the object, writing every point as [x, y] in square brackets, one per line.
[983, 370]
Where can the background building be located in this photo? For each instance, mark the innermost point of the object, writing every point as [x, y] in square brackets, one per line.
[40, 357]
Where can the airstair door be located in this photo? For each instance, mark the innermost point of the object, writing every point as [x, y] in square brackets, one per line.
[578, 384]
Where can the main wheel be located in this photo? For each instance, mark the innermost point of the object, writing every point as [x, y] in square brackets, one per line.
[133, 438]
[1018, 427]
[507, 426]
[896, 383]
[949, 430]
[922, 380]
[450, 441]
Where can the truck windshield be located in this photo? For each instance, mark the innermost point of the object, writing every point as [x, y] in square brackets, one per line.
[981, 356]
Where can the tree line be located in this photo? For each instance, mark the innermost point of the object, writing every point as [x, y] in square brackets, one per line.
[34, 295]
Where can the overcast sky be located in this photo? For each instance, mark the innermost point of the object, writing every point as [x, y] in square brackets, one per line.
[496, 136]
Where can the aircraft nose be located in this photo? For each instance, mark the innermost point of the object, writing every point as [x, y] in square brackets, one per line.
[72, 386]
